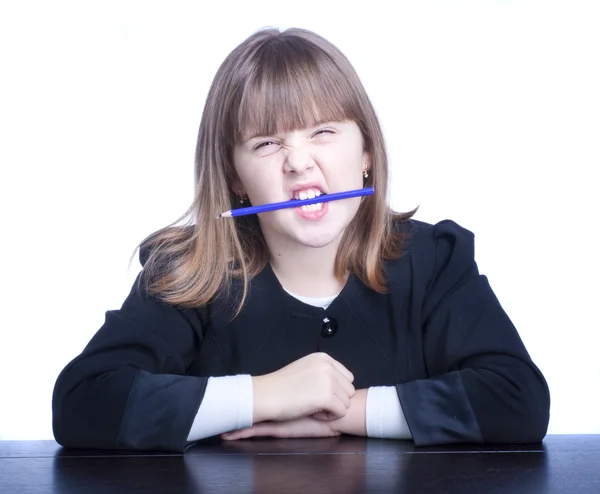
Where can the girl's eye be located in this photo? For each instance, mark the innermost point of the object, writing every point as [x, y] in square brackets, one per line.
[264, 144]
[323, 131]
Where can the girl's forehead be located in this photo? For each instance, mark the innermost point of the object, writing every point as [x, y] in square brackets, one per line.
[262, 117]
[285, 95]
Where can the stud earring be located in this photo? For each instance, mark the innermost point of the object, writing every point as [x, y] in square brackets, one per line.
[365, 173]
[242, 198]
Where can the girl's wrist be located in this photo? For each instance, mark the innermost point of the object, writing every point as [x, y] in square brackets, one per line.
[262, 410]
[355, 420]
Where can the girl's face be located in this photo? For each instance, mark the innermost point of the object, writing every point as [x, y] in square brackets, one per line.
[326, 158]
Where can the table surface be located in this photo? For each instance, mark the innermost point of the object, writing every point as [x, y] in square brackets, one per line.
[561, 464]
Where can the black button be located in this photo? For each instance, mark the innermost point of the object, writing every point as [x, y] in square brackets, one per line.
[329, 327]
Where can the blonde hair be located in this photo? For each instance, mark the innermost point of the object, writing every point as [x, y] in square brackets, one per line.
[273, 81]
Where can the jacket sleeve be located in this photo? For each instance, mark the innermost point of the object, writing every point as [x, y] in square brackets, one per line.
[128, 388]
[483, 386]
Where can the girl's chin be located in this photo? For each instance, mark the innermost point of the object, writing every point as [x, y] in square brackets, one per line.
[317, 237]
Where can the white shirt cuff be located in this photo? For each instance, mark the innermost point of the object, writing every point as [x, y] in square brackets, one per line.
[385, 417]
[228, 404]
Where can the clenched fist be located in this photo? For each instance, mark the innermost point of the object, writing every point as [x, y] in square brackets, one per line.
[315, 384]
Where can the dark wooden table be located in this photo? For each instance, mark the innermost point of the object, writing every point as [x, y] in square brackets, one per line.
[561, 464]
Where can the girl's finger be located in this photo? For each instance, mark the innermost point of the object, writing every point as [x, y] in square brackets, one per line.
[239, 434]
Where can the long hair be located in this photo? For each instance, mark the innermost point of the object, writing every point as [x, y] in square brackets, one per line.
[272, 82]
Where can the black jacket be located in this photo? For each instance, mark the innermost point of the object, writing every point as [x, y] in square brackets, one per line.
[439, 335]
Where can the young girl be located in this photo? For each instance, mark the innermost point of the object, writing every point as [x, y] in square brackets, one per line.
[337, 318]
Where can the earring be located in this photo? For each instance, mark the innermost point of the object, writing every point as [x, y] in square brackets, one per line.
[242, 198]
[365, 173]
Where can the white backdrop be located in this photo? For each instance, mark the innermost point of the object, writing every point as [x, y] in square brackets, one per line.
[491, 111]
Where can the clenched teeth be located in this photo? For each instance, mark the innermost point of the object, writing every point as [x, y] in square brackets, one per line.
[307, 194]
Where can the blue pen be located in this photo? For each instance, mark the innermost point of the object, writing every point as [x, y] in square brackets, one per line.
[367, 191]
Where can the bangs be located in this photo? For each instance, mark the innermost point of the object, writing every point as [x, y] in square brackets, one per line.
[294, 86]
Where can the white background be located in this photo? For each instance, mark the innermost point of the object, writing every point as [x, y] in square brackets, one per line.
[491, 111]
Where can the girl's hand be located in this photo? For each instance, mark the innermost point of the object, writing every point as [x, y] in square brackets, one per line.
[302, 427]
[313, 384]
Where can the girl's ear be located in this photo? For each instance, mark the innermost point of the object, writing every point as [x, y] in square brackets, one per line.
[238, 188]
[367, 162]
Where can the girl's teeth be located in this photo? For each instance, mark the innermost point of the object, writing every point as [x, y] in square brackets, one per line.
[312, 207]
[307, 194]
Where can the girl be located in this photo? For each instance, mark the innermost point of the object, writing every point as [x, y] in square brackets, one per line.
[337, 318]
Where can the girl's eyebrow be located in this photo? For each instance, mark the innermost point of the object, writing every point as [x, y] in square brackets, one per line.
[312, 127]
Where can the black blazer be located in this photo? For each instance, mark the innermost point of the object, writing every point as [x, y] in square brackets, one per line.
[439, 335]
